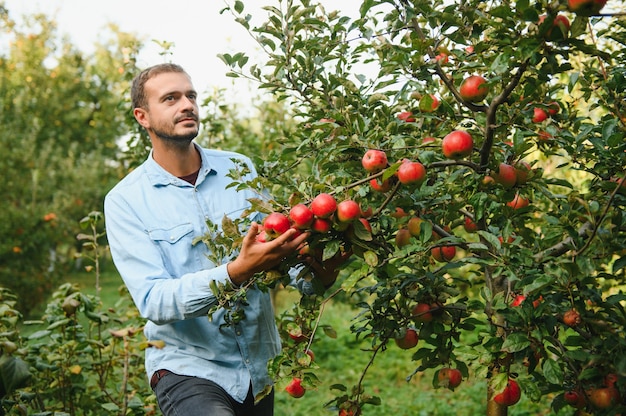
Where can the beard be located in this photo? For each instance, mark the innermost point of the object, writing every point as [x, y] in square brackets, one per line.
[171, 139]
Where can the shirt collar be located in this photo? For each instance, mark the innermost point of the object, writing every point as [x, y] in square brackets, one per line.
[160, 177]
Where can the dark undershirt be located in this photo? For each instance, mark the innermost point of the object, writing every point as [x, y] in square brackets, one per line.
[191, 178]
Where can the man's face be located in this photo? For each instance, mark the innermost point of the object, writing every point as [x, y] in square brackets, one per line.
[172, 113]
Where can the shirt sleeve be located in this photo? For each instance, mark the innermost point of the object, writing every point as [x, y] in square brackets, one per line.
[159, 296]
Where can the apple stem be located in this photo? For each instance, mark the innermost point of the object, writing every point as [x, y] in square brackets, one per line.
[388, 199]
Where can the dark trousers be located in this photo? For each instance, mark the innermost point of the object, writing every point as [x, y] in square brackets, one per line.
[192, 396]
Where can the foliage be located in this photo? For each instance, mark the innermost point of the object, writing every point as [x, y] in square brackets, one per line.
[348, 79]
[60, 120]
[80, 358]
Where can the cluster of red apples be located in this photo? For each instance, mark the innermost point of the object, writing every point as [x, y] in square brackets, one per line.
[321, 215]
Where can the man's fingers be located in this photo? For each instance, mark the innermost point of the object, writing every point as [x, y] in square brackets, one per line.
[287, 238]
[252, 233]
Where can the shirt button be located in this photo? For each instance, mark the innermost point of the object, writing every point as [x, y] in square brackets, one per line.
[238, 332]
[247, 361]
[172, 238]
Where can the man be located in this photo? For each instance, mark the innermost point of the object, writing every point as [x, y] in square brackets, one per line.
[152, 217]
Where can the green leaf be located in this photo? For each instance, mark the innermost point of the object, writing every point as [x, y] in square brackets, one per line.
[371, 258]
[329, 331]
[538, 283]
[110, 407]
[515, 342]
[552, 371]
[14, 373]
[239, 6]
[361, 232]
[330, 250]
[229, 228]
[39, 334]
[60, 322]
[491, 239]
[608, 129]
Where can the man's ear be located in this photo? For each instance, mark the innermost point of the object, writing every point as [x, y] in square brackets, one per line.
[141, 116]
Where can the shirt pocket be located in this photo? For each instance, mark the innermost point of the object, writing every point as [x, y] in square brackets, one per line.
[170, 235]
[175, 243]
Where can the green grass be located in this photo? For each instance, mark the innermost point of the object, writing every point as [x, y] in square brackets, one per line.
[341, 361]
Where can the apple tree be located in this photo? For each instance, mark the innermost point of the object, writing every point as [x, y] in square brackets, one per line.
[494, 225]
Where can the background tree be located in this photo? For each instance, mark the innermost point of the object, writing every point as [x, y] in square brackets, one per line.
[61, 120]
[529, 290]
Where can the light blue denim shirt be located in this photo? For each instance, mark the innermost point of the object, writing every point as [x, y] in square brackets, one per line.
[151, 219]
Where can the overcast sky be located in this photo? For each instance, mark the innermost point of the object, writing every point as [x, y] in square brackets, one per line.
[196, 27]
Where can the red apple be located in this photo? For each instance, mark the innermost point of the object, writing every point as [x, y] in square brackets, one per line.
[398, 213]
[443, 253]
[301, 216]
[428, 103]
[348, 210]
[510, 395]
[323, 205]
[275, 224]
[559, 28]
[572, 318]
[442, 58]
[585, 7]
[421, 312]
[428, 139]
[403, 237]
[411, 173]
[469, 225]
[521, 172]
[553, 108]
[473, 89]
[379, 186]
[295, 388]
[407, 340]
[539, 115]
[604, 397]
[310, 354]
[518, 300]
[414, 225]
[457, 144]
[449, 377]
[575, 399]
[295, 333]
[406, 116]
[374, 160]
[518, 202]
[505, 175]
[321, 225]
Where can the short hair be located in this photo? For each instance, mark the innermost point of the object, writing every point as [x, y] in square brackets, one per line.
[138, 92]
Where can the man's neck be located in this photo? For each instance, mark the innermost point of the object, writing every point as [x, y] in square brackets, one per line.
[177, 160]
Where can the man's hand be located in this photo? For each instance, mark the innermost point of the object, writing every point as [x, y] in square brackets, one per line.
[256, 256]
